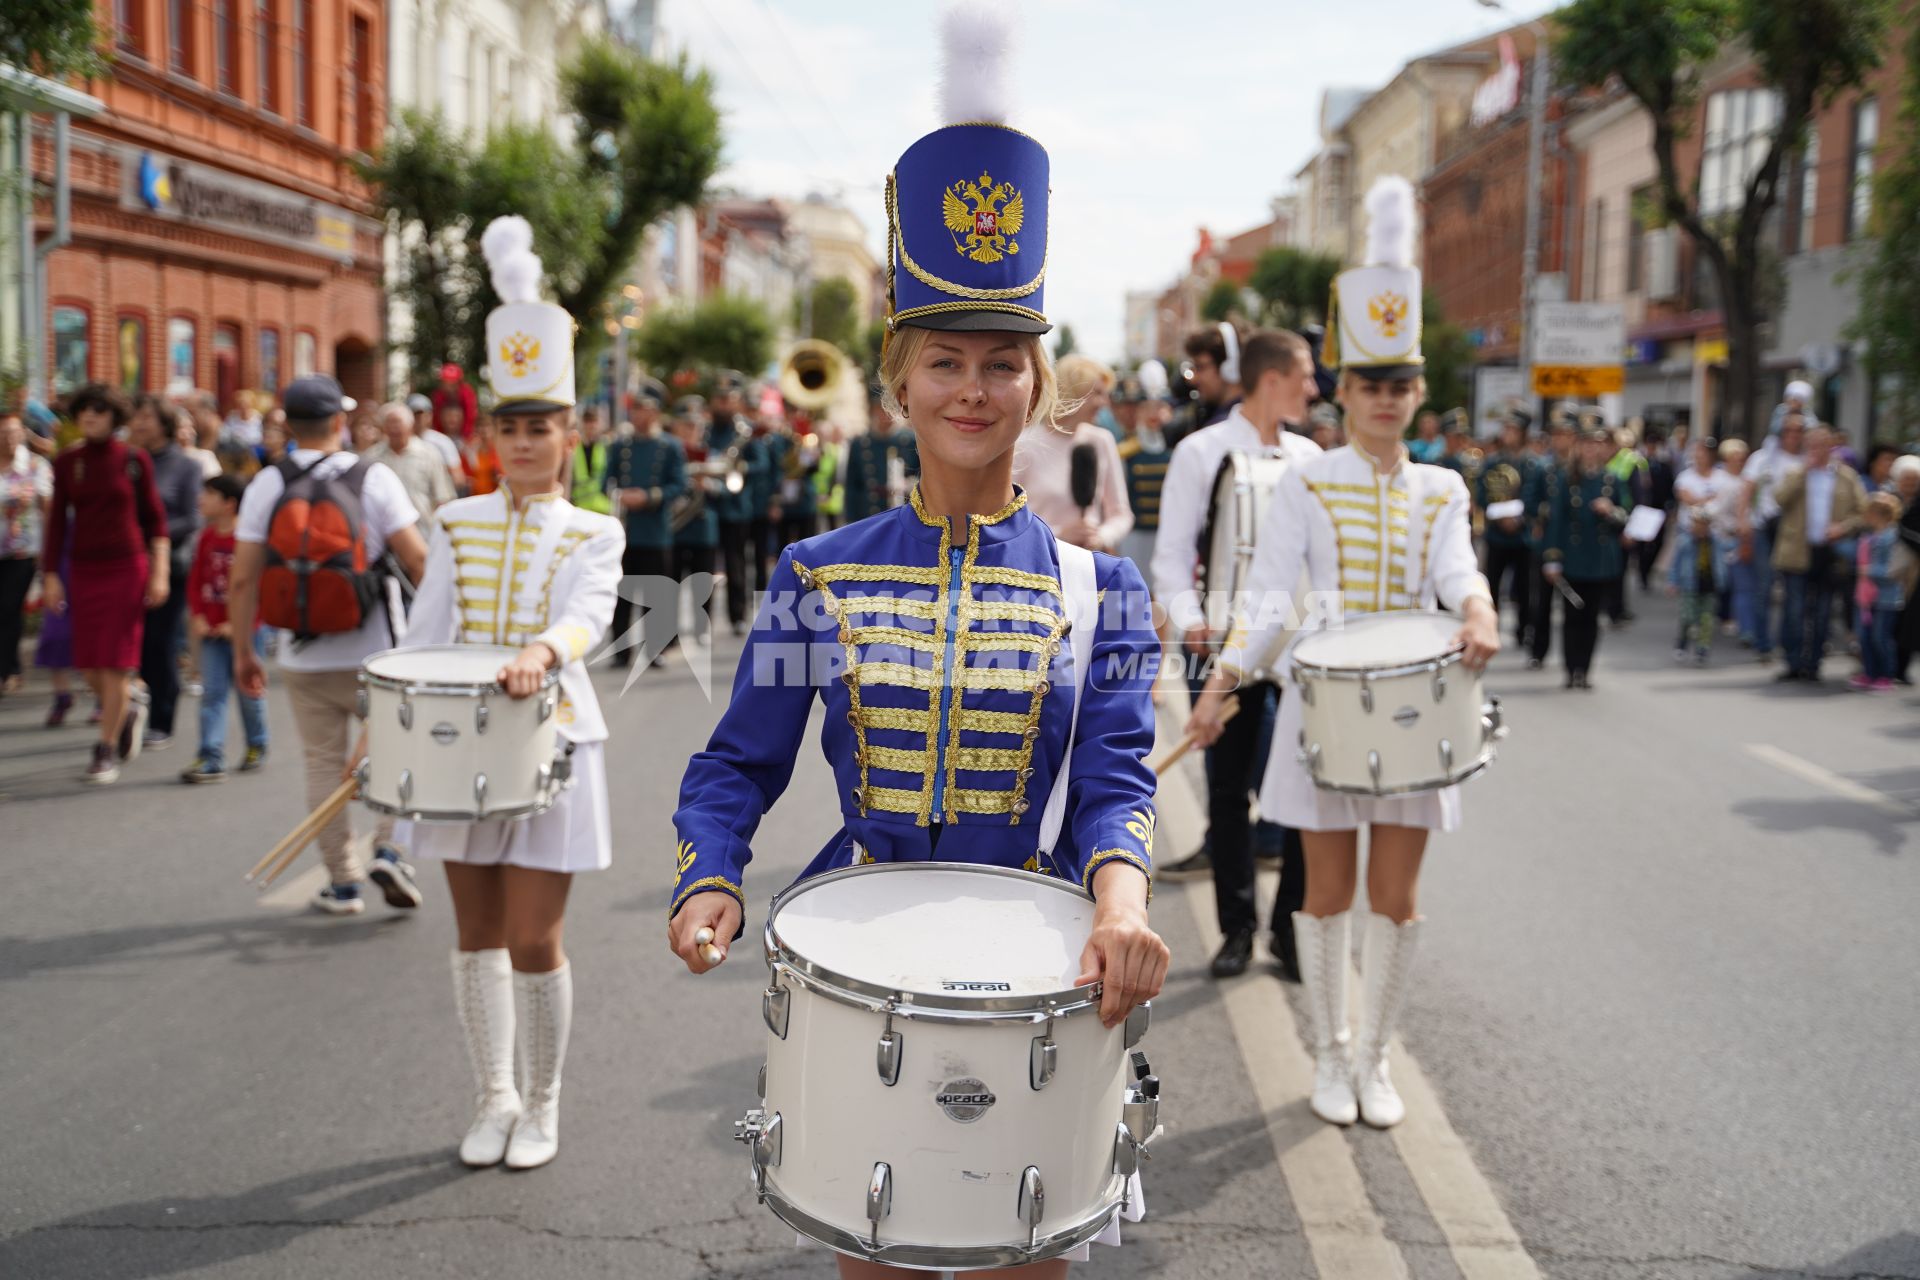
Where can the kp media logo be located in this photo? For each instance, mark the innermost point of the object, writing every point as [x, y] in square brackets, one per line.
[156, 188]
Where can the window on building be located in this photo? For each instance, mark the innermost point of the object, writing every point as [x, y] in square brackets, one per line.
[130, 26]
[270, 361]
[1808, 176]
[304, 347]
[226, 365]
[302, 62]
[180, 36]
[360, 67]
[130, 354]
[1866, 136]
[1740, 126]
[72, 349]
[1642, 216]
[226, 46]
[182, 355]
[266, 56]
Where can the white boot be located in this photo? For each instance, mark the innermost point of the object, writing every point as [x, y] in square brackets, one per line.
[545, 1009]
[1387, 964]
[483, 992]
[1325, 961]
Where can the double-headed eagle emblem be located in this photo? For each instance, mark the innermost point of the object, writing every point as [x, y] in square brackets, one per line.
[989, 227]
[519, 352]
[1389, 311]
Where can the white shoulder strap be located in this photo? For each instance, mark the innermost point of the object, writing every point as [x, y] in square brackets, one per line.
[1079, 592]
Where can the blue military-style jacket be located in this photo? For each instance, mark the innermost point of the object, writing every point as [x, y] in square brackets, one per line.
[946, 671]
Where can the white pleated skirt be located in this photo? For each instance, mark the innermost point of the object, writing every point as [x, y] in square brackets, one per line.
[1289, 797]
[574, 835]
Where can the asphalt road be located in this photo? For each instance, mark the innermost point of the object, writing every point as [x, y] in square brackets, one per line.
[1665, 1010]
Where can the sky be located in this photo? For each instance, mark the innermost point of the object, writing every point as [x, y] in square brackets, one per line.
[1158, 118]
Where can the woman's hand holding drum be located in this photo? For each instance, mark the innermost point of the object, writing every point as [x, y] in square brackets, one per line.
[522, 677]
[1123, 953]
[717, 916]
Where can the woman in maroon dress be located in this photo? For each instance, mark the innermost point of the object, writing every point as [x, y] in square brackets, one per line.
[118, 567]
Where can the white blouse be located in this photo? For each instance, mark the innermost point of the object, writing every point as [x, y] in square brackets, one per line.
[1043, 466]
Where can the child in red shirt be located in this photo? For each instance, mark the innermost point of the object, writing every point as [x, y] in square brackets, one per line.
[207, 619]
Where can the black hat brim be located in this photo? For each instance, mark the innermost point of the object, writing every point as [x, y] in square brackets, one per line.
[1386, 372]
[528, 406]
[978, 322]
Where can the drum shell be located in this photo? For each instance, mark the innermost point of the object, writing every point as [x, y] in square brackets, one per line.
[954, 1184]
[428, 744]
[1429, 724]
[1243, 489]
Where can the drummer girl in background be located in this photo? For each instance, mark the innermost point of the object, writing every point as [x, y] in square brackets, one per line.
[1374, 532]
[522, 567]
[934, 632]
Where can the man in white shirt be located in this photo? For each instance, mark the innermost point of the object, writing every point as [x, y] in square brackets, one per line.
[1776, 460]
[1276, 371]
[321, 673]
[443, 444]
[422, 472]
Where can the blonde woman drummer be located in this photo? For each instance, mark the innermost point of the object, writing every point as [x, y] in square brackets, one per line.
[934, 632]
[522, 567]
[1374, 531]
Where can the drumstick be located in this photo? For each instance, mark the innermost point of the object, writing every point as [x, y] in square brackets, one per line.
[316, 823]
[307, 827]
[274, 853]
[1180, 748]
[703, 938]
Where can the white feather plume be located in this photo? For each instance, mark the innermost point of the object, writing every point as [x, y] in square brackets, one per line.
[507, 244]
[1153, 378]
[976, 46]
[1390, 223]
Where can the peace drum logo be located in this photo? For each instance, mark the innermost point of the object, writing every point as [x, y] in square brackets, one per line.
[964, 1100]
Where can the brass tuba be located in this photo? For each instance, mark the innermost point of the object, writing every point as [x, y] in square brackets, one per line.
[812, 373]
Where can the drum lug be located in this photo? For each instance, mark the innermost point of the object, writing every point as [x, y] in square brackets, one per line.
[1126, 1155]
[773, 1008]
[406, 787]
[1366, 694]
[886, 1057]
[879, 1198]
[760, 1083]
[1373, 767]
[543, 780]
[1439, 687]
[1310, 757]
[1446, 757]
[547, 701]
[1493, 725]
[363, 771]
[480, 792]
[563, 765]
[360, 703]
[406, 711]
[480, 715]
[1306, 691]
[1137, 1023]
[1033, 1203]
[1043, 1058]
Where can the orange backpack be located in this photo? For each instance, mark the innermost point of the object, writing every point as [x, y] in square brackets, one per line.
[316, 580]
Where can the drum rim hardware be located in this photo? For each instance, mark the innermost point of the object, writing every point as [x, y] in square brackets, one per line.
[1039, 1007]
[1493, 728]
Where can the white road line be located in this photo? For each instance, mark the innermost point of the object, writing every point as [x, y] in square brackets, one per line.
[1346, 1237]
[1343, 1231]
[1827, 779]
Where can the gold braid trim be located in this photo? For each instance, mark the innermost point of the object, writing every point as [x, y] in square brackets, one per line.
[1029, 733]
[451, 525]
[1010, 611]
[1022, 641]
[1007, 679]
[973, 800]
[1000, 577]
[977, 721]
[903, 718]
[701, 885]
[894, 673]
[991, 759]
[940, 307]
[897, 800]
[918, 641]
[1108, 855]
[919, 575]
[898, 759]
[898, 606]
[851, 656]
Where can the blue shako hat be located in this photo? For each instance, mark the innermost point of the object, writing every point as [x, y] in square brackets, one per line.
[967, 204]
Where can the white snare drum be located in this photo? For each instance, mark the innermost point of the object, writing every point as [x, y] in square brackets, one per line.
[1387, 707]
[1242, 491]
[937, 1093]
[446, 744]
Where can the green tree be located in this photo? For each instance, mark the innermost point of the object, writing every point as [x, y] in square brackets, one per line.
[1293, 285]
[1449, 356]
[1222, 301]
[835, 317]
[647, 139]
[720, 332]
[1064, 343]
[54, 38]
[1806, 50]
[1888, 320]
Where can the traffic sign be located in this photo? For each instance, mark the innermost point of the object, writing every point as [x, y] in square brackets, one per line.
[1578, 381]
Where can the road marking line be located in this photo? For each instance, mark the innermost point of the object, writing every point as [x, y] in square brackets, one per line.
[1322, 1176]
[1345, 1235]
[1826, 778]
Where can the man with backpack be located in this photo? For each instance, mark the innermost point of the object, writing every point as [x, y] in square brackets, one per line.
[319, 540]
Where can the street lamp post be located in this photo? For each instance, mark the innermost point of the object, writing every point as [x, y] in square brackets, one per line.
[1536, 143]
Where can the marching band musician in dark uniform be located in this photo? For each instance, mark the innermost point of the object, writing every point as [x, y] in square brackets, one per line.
[1501, 491]
[946, 638]
[646, 476]
[1146, 455]
[875, 463]
[696, 526]
[1582, 551]
[730, 436]
[1550, 477]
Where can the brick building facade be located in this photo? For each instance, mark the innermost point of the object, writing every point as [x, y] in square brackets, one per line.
[220, 236]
